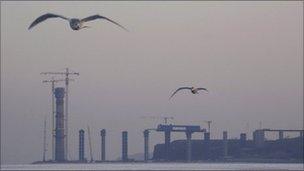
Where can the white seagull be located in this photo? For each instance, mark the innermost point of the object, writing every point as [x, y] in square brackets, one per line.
[192, 89]
[75, 23]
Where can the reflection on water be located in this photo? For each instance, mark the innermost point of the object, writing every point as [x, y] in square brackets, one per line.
[158, 166]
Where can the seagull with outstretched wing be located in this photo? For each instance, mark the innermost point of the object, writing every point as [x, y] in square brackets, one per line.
[75, 23]
[192, 89]
[94, 17]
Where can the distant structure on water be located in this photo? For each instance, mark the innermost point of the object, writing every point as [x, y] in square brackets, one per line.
[239, 150]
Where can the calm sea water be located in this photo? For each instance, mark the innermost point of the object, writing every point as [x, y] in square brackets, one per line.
[158, 166]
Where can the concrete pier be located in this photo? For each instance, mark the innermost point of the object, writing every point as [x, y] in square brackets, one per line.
[259, 138]
[81, 145]
[206, 136]
[189, 149]
[243, 139]
[124, 146]
[225, 143]
[281, 135]
[103, 144]
[146, 145]
[167, 144]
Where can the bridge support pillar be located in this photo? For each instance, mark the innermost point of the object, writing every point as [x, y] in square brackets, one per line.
[189, 148]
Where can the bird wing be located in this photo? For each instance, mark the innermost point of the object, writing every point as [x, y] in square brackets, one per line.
[181, 88]
[202, 89]
[94, 17]
[44, 17]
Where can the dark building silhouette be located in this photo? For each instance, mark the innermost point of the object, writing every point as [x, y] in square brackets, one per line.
[237, 149]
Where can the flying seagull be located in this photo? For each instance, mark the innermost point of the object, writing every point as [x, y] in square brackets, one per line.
[192, 89]
[75, 23]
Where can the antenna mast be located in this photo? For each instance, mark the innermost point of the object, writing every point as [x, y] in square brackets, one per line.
[44, 140]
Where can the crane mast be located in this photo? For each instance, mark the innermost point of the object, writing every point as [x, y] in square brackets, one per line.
[91, 155]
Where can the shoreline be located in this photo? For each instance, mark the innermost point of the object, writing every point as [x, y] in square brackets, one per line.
[261, 161]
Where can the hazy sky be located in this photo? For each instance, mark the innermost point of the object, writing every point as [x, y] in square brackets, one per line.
[248, 54]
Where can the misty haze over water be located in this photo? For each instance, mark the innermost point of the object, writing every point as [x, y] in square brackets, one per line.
[249, 55]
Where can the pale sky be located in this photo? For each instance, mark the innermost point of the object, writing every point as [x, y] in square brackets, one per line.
[248, 54]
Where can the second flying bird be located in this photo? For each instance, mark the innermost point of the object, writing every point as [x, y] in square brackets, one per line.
[192, 89]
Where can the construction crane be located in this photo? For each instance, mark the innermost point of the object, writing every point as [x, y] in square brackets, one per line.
[209, 125]
[89, 135]
[53, 81]
[165, 118]
[66, 73]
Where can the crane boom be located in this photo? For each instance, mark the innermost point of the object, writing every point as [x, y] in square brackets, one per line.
[165, 118]
[62, 73]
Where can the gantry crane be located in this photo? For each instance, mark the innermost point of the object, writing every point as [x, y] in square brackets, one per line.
[66, 73]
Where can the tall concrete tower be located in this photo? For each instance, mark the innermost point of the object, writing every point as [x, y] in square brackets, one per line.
[59, 131]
